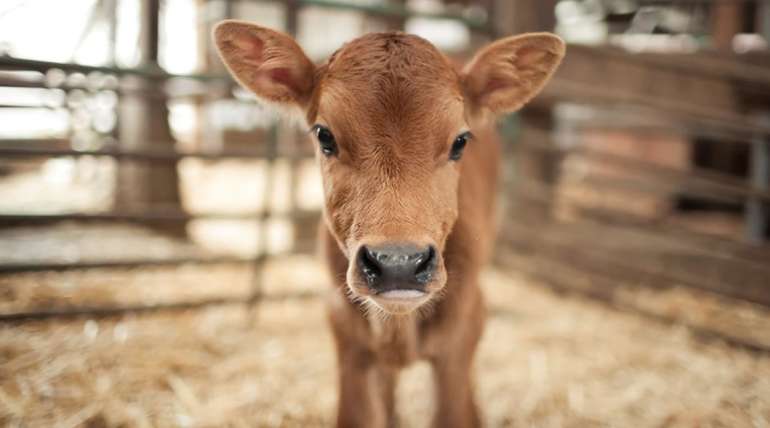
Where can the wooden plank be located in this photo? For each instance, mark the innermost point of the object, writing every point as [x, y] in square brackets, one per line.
[726, 22]
[714, 185]
[534, 192]
[611, 76]
[714, 244]
[646, 258]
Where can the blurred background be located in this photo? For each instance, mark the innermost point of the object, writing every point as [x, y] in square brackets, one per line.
[157, 224]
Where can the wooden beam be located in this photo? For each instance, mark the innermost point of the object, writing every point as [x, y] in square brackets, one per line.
[757, 209]
[726, 22]
[650, 259]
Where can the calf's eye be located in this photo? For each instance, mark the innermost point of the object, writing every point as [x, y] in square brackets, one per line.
[325, 140]
[458, 145]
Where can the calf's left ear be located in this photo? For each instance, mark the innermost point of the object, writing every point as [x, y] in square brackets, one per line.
[266, 62]
[505, 75]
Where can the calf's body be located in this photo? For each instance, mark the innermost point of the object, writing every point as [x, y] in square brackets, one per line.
[408, 159]
[372, 348]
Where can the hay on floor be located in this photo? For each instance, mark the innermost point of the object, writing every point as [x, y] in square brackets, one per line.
[545, 360]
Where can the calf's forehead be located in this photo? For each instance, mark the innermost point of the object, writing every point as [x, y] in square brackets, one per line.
[398, 53]
[387, 80]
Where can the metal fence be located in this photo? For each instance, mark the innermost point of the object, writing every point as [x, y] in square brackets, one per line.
[211, 85]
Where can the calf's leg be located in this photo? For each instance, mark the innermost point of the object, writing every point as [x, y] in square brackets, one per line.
[454, 392]
[387, 389]
[361, 402]
[453, 365]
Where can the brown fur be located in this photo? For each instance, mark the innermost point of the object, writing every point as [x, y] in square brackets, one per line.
[395, 105]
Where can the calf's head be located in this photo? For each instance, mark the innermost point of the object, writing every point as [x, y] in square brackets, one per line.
[390, 117]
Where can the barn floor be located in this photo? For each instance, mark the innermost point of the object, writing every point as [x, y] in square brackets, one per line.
[546, 360]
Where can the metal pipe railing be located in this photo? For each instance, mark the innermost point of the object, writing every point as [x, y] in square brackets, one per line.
[149, 216]
[16, 149]
[14, 268]
[21, 64]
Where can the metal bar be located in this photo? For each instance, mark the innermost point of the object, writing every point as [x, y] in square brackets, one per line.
[291, 20]
[107, 311]
[27, 106]
[13, 63]
[175, 93]
[147, 216]
[150, 37]
[94, 15]
[111, 12]
[21, 145]
[20, 151]
[12, 268]
[25, 83]
[257, 274]
[757, 211]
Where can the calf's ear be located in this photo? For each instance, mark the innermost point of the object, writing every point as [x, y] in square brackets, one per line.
[505, 75]
[268, 63]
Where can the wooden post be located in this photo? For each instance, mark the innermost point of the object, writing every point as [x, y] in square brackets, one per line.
[271, 154]
[763, 20]
[515, 17]
[757, 211]
[521, 16]
[726, 22]
[143, 125]
[396, 23]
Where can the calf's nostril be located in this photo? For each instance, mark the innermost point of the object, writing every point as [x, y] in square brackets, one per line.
[426, 264]
[368, 262]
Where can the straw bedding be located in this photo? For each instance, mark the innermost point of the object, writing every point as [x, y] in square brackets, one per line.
[545, 360]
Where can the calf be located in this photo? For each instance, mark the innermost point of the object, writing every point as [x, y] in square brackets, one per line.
[408, 158]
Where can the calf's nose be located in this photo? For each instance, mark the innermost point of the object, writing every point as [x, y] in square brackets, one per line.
[396, 266]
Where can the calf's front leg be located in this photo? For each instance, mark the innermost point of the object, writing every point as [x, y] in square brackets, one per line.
[365, 386]
[454, 392]
[456, 338]
[361, 402]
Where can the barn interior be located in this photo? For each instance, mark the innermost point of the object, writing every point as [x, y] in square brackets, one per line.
[158, 224]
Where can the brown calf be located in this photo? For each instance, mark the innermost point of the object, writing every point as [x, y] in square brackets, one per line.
[408, 218]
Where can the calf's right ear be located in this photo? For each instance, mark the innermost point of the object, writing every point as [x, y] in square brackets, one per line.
[268, 63]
